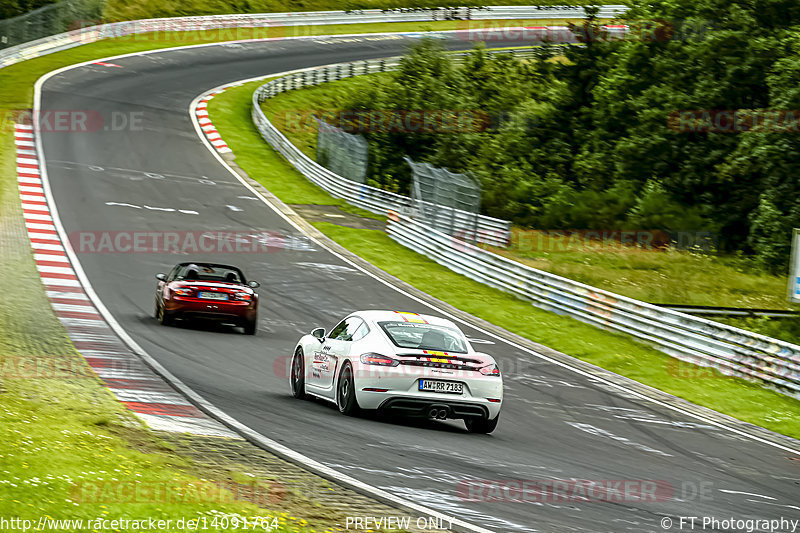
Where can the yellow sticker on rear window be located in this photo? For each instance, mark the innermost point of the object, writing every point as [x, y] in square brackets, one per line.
[411, 317]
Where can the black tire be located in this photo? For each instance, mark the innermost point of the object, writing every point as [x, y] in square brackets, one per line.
[250, 327]
[164, 318]
[481, 425]
[346, 392]
[297, 375]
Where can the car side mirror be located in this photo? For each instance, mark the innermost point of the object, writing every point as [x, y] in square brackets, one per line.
[161, 277]
[319, 334]
[253, 284]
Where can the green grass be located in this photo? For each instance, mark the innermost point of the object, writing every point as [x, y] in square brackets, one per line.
[651, 275]
[293, 112]
[139, 9]
[671, 276]
[617, 353]
[59, 426]
[62, 434]
[66, 453]
[17, 80]
[787, 329]
[236, 107]
[658, 276]
[56, 430]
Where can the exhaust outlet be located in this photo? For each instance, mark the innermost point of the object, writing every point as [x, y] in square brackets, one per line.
[433, 413]
[442, 414]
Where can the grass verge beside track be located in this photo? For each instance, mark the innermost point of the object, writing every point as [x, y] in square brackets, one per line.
[139, 9]
[61, 431]
[672, 277]
[230, 113]
[651, 275]
[68, 448]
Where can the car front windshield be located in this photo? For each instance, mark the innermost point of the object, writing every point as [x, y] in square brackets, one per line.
[209, 272]
[424, 336]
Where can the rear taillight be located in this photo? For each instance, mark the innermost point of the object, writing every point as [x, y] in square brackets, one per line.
[182, 292]
[244, 296]
[490, 370]
[378, 359]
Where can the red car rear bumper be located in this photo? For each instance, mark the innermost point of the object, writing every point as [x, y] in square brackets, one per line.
[237, 311]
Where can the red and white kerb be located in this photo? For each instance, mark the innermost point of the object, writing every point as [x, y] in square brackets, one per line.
[132, 382]
[210, 131]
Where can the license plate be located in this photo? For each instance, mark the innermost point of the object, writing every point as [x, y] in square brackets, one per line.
[432, 385]
[213, 295]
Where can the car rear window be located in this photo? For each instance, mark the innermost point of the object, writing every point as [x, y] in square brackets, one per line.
[209, 272]
[424, 336]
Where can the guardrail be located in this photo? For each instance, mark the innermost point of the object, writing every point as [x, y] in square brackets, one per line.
[733, 351]
[490, 230]
[733, 312]
[91, 34]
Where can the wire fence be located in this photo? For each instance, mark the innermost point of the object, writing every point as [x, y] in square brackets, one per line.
[343, 153]
[63, 16]
[446, 201]
[489, 230]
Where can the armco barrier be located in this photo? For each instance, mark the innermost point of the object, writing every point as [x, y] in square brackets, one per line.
[733, 351]
[489, 230]
[90, 34]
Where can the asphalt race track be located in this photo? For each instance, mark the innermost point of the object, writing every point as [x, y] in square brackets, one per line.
[555, 424]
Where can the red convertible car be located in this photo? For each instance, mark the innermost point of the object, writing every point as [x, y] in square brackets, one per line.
[207, 290]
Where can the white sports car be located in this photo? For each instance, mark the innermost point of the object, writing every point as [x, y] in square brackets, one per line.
[406, 363]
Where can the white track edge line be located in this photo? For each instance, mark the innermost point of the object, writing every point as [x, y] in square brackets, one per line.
[198, 400]
[175, 382]
[455, 318]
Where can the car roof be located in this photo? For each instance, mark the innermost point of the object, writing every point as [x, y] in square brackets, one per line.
[403, 316]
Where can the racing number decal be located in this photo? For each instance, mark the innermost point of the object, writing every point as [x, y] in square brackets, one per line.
[437, 359]
[411, 317]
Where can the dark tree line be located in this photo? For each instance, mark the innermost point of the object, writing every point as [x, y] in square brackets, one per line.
[13, 8]
[599, 141]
